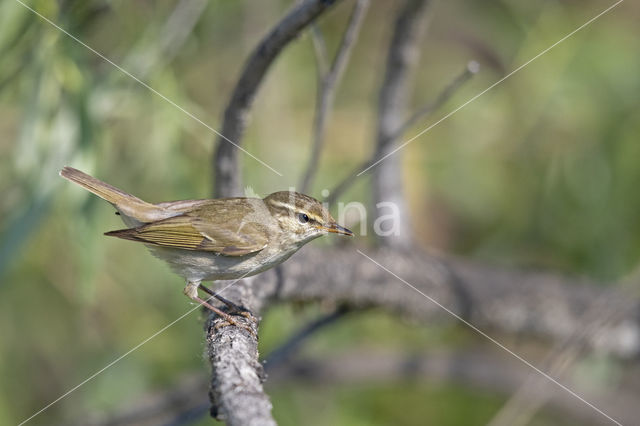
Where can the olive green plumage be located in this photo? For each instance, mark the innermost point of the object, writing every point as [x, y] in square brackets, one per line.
[225, 238]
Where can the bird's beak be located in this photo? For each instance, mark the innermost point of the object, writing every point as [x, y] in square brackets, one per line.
[337, 229]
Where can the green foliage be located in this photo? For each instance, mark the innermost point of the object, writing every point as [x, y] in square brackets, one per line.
[379, 404]
[541, 171]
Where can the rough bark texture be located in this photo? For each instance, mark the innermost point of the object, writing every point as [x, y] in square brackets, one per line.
[497, 300]
[509, 301]
[476, 367]
[227, 172]
[236, 391]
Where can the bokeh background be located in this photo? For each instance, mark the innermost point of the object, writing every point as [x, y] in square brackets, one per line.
[541, 172]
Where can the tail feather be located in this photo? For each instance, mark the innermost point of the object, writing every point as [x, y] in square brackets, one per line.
[101, 189]
[127, 204]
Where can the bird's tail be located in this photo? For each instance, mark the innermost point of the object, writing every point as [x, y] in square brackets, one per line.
[126, 204]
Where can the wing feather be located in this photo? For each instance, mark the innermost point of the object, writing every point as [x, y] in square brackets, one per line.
[190, 231]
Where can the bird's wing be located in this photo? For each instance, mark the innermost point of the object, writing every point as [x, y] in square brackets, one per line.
[202, 232]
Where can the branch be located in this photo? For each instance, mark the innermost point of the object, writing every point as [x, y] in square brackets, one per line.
[236, 391]
[319, 51]
[328, 82]
[186, 396]
[497, 300]
[403, 54]
[524, 402]
[225, 161]
[476, 368]
[424, 112]
[492, 298]
[157, 48]
[285, 351]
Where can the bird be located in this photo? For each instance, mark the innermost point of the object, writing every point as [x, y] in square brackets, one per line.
[216, 239]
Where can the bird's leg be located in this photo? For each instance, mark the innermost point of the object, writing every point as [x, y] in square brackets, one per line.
[234, 307]
[191, 291]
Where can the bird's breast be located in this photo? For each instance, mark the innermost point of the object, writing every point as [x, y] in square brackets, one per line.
[208, 266]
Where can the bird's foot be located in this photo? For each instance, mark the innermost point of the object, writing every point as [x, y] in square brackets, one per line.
[191, 290]
[229, 321]
[234, 308]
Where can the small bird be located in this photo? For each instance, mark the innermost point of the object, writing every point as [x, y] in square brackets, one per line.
[216, 239]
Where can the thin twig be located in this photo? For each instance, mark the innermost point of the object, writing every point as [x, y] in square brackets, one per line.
[284, 352]
[167, 42]
[427, 109]
[328, 82]
[227, 180]
[421, 114]
[186, 394]
[320, 53]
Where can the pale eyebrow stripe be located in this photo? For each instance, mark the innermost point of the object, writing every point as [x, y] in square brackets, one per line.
[294, 208]
[281, 204]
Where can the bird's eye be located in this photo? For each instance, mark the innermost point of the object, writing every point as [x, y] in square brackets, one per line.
[303, 218]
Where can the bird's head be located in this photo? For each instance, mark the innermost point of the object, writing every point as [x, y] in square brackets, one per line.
[302, 217]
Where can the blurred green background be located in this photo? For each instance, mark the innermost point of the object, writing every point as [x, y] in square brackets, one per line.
[542, 171]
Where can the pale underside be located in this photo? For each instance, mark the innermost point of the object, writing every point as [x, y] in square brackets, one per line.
[210, 239]
[201, 246]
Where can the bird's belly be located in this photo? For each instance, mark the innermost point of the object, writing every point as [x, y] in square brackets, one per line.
[207, 266]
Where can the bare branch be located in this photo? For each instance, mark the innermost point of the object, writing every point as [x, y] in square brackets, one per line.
[225, 160]
[503, 300]
[320, 53]
[403, 54]
[491, 298]
[236, 391]
[167, 42]
[476, 368]
[426, 110]
[527, 400]
[186, 396]
[494, 299]
[498, 300]
[328, 84]
[421, 114]
[283, 352]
